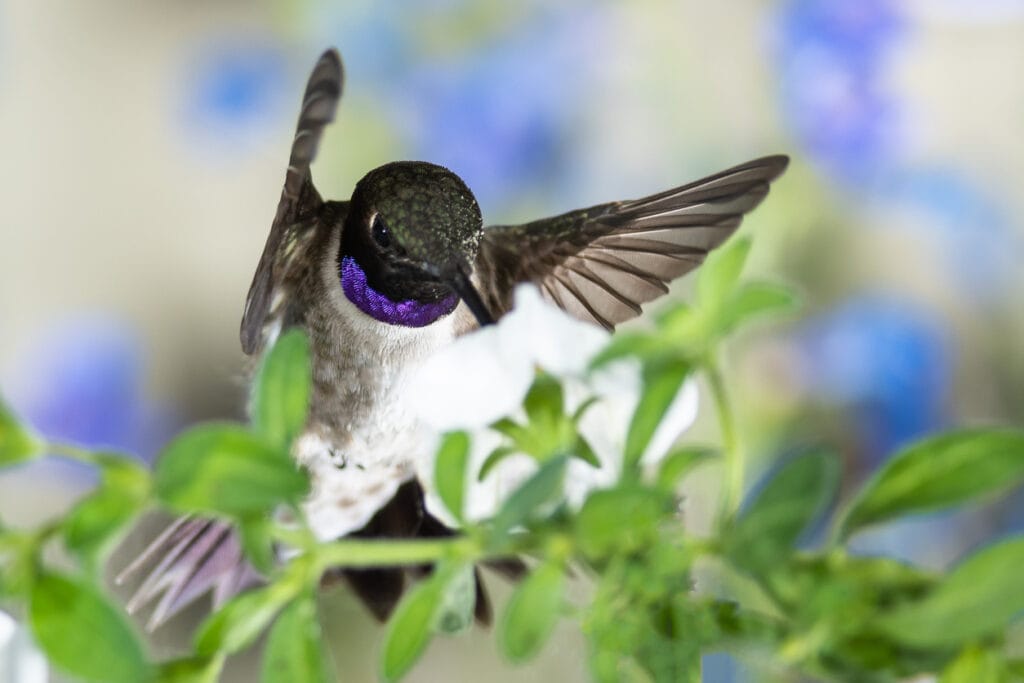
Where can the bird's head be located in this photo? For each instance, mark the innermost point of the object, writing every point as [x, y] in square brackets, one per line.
[409, 240]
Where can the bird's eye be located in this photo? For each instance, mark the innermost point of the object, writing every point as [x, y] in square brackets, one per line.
[381, 234]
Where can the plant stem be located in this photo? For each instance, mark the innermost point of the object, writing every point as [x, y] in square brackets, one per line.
[353, 553]
[71, 452]
[731, 452]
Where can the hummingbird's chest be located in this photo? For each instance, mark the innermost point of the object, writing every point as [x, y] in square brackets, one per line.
[362, 439]
[360, 405]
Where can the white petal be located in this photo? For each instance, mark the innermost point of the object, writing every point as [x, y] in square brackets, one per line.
[20, 660]
[484, 375]
[554, 340]
[471, 382]
[486, 497]
[679, 417]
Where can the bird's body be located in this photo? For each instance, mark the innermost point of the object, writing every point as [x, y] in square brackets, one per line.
[362, 438]
[381, 281]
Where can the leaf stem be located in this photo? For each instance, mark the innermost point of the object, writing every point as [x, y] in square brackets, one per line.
[71, 452]
[732, 454]
[357, 553]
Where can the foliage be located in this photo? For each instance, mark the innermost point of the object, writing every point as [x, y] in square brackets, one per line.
[817, 611]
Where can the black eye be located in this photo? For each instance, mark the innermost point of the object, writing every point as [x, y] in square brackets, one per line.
[381, 234]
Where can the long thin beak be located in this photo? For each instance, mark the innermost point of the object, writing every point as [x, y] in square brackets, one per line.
[459, 280]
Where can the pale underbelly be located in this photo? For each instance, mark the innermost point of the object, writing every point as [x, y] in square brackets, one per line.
[351, 481]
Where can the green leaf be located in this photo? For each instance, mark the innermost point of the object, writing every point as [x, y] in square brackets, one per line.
[721, 271]
[450, 471]
[257, 543]
[240, 621]
[458, 601]
[295, 649]
[190, 670]
[975, 665]
[282, 389]
[585, 452]
[221, 468]
[510, 428]
[124, 473]
[685, 330]
[628, 345]
[544, 401]
[582, 409]
[18, 563]
[492, 460]
[532, 613]
[754, 299]
[93, 525]
[939, 472]
[681, 462]
[770, 524]
[543, 487]
[83, 633]
[661, 385]
[412, 626]
[978, 598]
[17, 442]
[622, 519]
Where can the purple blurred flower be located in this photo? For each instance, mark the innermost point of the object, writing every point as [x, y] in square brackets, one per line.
[234, 88]
[498, 110]
[83, 383]
[884, 361]
[501, 117]
[831, 55]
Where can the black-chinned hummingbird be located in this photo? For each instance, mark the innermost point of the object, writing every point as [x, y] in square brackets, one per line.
[382, 280]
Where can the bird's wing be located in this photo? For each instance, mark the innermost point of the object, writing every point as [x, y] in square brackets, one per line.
[296, 210]
[601, 263]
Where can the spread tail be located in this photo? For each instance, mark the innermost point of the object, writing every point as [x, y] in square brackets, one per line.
[194, 556]
[190, 558]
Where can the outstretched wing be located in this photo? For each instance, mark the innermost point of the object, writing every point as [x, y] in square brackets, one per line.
[296, 210]
[601, 263]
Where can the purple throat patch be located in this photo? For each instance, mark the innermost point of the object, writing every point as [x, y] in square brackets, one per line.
[409, 313]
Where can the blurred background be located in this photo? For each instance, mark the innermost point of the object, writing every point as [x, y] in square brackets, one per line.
[144, 145]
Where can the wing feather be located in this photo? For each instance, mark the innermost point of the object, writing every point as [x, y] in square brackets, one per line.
[296, 209]
[601, 263]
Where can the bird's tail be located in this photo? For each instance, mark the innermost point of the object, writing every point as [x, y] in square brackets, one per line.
[190, 558]
[196, 556]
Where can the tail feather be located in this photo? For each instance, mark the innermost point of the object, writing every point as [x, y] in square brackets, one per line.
[194, 556]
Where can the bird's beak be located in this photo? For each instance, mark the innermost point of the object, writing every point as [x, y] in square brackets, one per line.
[458, 279]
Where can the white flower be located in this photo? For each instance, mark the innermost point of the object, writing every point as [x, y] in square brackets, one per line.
[20, 660]
[485, 375]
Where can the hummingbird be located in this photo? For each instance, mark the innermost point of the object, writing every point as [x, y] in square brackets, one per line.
[383, 279]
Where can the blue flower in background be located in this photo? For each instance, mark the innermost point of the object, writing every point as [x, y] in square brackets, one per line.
[833, 58]
[234, 88]
[376, 49]
[496, 119]
[968, 222]
[497, 109]
[83, 383]
[501, 116]
[831, 55]
[885, 362]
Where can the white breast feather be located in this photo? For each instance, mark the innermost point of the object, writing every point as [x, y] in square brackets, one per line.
[350, 484]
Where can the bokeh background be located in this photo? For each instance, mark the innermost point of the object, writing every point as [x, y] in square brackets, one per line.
[144, 144]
